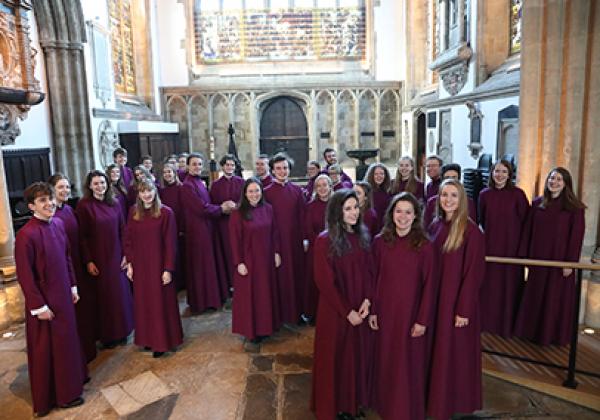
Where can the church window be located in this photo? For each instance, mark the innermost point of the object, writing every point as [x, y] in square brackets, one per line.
[123, 56]
[515, 25]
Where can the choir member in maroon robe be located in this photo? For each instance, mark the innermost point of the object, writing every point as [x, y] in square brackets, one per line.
[140, 173]
[449, 171]
[100, 227]
[56, 365]
[554, 231]
[403, 310]
[182, 166]
[455, 370]
[367, 212]
[379, 179]
[170, 196]
[254, 246]
[205, 289]
[261, 170]
[503, 208]
[120, 158]
[148, 163]
[227, 188]
[343, 276]
[113, 172]
[86, 309]
[150, 247]
[334, 171]
[406, 180]
[433, 167]
[313, 169]
[314, 224]
[288, 206]
[330, 157]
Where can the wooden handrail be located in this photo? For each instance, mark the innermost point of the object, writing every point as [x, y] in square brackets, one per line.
[544, 263]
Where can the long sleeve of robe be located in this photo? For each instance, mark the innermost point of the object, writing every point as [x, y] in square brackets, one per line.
[314, 224]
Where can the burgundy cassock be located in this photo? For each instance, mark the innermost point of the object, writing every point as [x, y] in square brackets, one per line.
[371, 221]
[546, 312]
[341, 356]
[381, 201]
[344, 177]
[308, 189]
[86, 307]
[502, 215]
[432, 188]
[221, 190]
[150, 246]
[455, 370]
[314, 224]
[126, 175]
[419, 190]
[404, 297]
[342, 184]
[131, 195]
[181, 174]
[429, 213]
[205, 288]
[255, 310]
[100, 228]
[170, 196]
[266, 181]
[55, 360]
[122, 200]
[288, 206]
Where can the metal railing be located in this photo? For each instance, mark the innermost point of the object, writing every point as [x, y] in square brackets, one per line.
[571, 369]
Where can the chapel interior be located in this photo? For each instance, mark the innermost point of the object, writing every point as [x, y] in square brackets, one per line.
[472, 81]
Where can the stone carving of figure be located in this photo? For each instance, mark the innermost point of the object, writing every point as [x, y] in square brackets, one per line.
[109, 141]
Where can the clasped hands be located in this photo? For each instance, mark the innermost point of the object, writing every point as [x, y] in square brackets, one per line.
[357, 317]
[228, 206]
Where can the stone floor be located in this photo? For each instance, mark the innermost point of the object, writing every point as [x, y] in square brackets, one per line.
[211, 377]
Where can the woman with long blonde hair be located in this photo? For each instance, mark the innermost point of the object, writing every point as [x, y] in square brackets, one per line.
[406, 180]
[455, 373]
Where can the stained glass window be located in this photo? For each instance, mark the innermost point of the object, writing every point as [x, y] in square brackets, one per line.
[288, 30]
[516, 9]
[121, 29]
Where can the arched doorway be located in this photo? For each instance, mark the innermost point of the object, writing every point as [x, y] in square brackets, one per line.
[283, 128]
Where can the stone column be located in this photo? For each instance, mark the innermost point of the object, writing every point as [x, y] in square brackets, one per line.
[188, 115]
[7, 237]
[560, 104]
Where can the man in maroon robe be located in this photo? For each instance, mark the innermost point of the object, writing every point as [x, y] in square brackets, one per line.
[205, 289]
[261, 170]
[56, 365]
[330, 157]
[433, 167]
[227, 188]
[287, 200]
[120, 158]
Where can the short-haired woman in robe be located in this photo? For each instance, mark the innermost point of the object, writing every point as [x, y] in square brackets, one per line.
[150, 246]
[554, 231]
[455, 374]
[255, 255]
[406, 266]
[343, 276]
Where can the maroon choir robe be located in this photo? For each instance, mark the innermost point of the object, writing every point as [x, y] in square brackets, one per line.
[432, 188]
[150, 247]
[381, 201]
[181, 174]
[288, 206]
[342, 184]
[55, 360]
[266, 180]
[308, 189]
[419, 190]
[205, 289]
[344, 177]
[502, 216]
[126, 175]
[100, 228]
[255, 308]
[170, 196]
[429, 213]
[455, 370]
[86, 307]
[371, 221]
[131, 195]
[403, 297]
[121, 198]
[341, 356]
[221, 190]
[314, 224]
[546, 312]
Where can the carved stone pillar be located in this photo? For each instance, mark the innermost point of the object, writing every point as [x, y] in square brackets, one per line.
[62, 34]
[560, 104]
[7, 237]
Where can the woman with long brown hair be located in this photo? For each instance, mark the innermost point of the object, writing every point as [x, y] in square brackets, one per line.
[455, 373]
[403, 310]
[406, 180]
[365, 201]
[503, 209]
[554, 231]
[170, 196]
[114, 174]
[342, 273]
[150, 246]
[379, 179]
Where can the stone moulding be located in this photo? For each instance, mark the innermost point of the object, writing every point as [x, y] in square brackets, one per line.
[453, 66]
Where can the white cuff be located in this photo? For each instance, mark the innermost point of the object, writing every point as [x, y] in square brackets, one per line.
[36, 312]
[74, 290]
